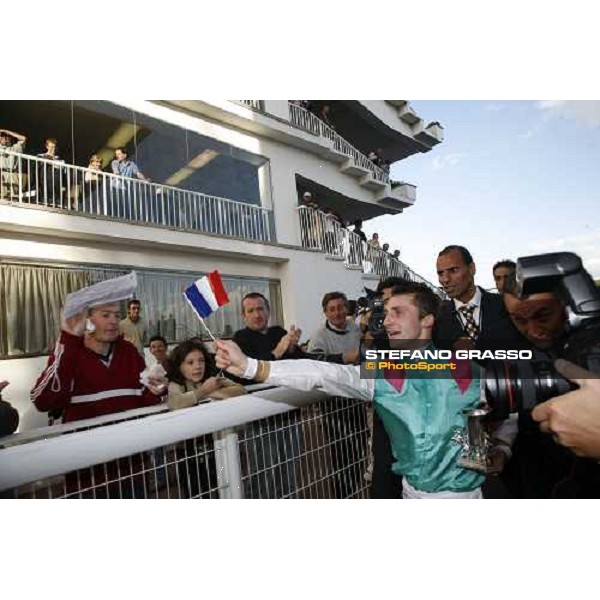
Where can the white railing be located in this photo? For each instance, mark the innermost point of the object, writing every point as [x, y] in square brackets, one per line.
[322, 232]
[53, 184]
[255, 104]
[275, 443]
[303, 118]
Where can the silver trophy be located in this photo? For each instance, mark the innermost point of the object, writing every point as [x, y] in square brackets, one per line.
[475, 441]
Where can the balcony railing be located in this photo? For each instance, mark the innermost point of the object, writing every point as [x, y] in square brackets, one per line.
[307, 120]
[254, 446]
[53, 184]
[254, 104]
[322, 232]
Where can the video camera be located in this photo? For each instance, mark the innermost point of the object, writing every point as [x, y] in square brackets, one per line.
[373, 302]
[513, 387]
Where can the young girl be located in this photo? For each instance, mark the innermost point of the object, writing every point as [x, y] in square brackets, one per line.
[192, 380]
[192, 377]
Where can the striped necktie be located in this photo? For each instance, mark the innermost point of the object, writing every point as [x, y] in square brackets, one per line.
[471, 327]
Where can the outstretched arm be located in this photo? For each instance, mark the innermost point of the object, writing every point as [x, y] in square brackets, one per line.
[305, 375]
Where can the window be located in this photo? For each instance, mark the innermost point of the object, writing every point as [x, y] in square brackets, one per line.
[31, 297]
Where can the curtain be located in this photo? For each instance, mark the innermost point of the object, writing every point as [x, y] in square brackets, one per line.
[31, 298]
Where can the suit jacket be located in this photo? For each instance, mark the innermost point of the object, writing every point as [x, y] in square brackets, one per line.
[496, 328]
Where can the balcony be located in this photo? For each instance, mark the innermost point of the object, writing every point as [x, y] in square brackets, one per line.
[47, 184]
[353, 161]
[272, 443]
[253, 104]
[320, 232]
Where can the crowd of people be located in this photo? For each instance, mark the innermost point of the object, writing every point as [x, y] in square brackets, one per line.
[322, 229]
[97, 363]
[47, 180]
[322, 110]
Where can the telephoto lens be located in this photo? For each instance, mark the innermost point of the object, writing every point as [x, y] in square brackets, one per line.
[518, 386]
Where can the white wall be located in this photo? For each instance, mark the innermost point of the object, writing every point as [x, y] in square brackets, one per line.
[285, 161]
[279, 108]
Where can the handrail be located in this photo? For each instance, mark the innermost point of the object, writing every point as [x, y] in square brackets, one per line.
[322, 232]
[57, 185]
[254, 104]
[45, 458]
[304, 118]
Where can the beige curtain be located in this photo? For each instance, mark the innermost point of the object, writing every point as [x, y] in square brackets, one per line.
[31, 298]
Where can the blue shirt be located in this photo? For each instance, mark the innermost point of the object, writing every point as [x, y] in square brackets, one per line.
[125, 168]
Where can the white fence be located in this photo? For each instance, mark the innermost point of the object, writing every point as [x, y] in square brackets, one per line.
[254, 104]
[307, 120]
[274, 443]
[323, 232]
[53, 184]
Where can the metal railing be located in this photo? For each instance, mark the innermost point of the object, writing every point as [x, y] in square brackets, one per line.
[320, 231]
[303, 118]
[254, 104]
[53, 184]
[275, 443]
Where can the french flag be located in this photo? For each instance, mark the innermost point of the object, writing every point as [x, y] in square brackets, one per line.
[206, 295]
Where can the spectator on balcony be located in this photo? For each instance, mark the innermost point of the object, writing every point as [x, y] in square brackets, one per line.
[357, 252]
[92, 189]
[396, 254]
[311, 223]
[337, 335]
[333, 244]
[305, 104]
[358, 230]
[133, 328]
[374, 241]
[123, 166]
[51, 176]
[376, 157]
[309, 201]
[385, 259]
[372, 258]
[9, 164]
[9, 416]
[323, 114]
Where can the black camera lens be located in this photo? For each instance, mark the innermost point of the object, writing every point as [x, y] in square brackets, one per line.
[518, 386]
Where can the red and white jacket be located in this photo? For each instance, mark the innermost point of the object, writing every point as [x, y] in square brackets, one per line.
[83, 385]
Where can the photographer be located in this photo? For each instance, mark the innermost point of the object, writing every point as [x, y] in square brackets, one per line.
[554, 305]
[538, 464]
[574, 419]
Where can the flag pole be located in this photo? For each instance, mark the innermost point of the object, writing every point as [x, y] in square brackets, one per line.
[212, 337]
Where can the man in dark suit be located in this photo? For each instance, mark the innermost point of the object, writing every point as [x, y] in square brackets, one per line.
[471, 319]
[466, 319]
